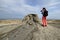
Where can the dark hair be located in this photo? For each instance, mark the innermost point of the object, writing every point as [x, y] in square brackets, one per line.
[45, 9]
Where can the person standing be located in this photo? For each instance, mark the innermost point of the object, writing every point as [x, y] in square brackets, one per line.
[44, 15]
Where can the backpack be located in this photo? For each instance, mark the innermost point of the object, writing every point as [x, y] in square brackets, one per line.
[45, 13]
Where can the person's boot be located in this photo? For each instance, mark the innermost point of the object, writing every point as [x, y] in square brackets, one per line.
[45, 25]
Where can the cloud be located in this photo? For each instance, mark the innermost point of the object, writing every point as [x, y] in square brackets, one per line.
[23, 7]
[14, 8]
[17, 6]
[52, 4]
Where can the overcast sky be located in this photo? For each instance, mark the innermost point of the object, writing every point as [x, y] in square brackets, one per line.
[20, 8]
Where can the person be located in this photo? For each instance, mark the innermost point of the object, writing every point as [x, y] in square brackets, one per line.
[44, 15]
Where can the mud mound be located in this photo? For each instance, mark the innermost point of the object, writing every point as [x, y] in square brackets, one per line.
[32, 30]
[24, 31]
[31, 19]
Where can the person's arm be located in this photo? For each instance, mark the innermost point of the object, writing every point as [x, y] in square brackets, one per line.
[42, 11]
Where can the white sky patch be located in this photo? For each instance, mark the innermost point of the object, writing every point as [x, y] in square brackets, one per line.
[52, 7]
[51, 3]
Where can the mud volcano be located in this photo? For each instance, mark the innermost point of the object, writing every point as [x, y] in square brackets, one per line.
[31, 19]
[24, 31]
[31, 29]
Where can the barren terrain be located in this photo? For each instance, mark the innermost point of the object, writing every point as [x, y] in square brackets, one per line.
[51, 32]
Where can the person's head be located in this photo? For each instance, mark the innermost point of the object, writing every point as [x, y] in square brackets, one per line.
[44, 9]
